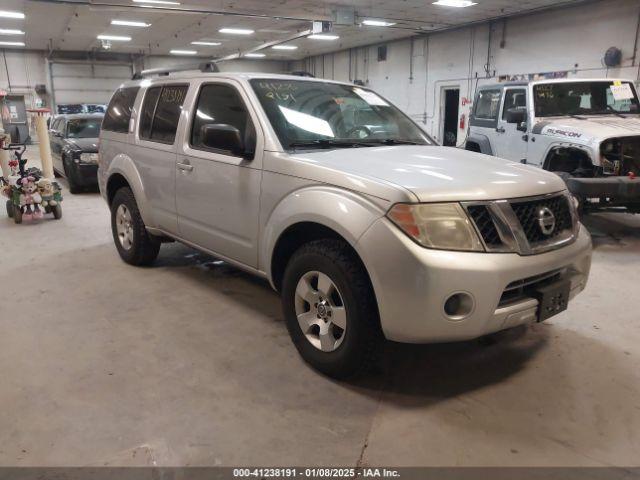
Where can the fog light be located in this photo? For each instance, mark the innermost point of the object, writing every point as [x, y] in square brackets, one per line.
[458, 306]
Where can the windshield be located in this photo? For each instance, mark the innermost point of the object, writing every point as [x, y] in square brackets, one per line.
[84, 128]
[307, 114]
[584, 98]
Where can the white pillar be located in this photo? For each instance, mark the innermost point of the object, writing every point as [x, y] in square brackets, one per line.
[5, 139]
[43, 140]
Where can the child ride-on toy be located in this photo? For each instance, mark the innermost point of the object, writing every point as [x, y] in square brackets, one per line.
[30, 195]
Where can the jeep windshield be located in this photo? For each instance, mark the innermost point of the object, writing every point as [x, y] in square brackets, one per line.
[308, 115]
[584, 98]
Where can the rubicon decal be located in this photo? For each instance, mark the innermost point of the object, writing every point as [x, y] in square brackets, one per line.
[563, 133]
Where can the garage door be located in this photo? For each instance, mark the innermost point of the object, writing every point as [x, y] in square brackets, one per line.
[86, 82]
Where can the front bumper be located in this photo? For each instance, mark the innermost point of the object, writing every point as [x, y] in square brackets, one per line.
[84, 174]
[617, 188]
[412, 284]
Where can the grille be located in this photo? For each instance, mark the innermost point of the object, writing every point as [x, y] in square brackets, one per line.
[527, 213]
[484, 222]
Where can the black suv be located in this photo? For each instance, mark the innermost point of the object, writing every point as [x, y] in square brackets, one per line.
[74, 148]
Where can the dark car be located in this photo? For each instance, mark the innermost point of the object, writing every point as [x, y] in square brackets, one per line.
[74, 148]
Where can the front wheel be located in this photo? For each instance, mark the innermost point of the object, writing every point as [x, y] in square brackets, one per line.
[17, 215]
[135, 245]
[10, 208]
[57, 211]
[330, 309]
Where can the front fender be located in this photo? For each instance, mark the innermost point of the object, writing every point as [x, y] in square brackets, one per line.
[483, 142]
[123, 165]
[345, 212]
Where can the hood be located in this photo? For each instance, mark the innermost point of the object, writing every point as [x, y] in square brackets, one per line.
[432, 174]
[84, 144]
[589, 129]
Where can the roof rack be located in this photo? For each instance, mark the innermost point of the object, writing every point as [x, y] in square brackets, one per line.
[302, 73]
[207, 67]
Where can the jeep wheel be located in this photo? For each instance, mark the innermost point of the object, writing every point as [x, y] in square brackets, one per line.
[10, 208]
[330, 309]
[135, 245]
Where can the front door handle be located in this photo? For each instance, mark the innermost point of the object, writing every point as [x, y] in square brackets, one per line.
[500, 130]
[185, 167]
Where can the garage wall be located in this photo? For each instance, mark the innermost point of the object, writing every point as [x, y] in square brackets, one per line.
[86, 82]
[570, 39]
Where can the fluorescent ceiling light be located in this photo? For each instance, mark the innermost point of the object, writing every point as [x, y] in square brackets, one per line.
[455, 3]
[7, 14]
[8, 31]
[183, 52]
[129, 23]
[157, 2]
[236, 31]
[255, 55]
[115, 38]
[323, 37]
[12, 44]
[284, 47]
[377, 23]
[207, 44]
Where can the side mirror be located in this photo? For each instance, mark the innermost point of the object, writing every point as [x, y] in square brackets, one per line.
[221, 136]
[516, 115]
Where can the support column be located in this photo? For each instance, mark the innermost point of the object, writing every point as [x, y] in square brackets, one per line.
[40, 117]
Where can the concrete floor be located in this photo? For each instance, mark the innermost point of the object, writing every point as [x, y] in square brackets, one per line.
[189, 363]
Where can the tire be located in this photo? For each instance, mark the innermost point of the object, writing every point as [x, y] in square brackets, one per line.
[351, 350]
[57, 211]
[17, 215]
[137, 247]
[73, 186]
[10, 208]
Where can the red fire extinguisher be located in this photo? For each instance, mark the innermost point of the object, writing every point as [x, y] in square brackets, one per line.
[463, 121]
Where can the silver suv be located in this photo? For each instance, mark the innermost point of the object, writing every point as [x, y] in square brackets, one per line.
[366, 227]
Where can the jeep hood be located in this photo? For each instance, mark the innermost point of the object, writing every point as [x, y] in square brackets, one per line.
[588, 129]
[431, 173]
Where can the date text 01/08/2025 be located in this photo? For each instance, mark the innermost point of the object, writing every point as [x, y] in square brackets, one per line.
[315, 473]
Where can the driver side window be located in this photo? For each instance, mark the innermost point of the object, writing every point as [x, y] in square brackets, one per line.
[514, 99]
[222, 105]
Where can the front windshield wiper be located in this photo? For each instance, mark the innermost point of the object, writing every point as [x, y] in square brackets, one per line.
[394, 141]
[328, 143]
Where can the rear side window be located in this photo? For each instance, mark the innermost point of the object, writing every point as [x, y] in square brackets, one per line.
[161, 113]
[487, 105]
[221, 104]
[119, 110]
[148, 109]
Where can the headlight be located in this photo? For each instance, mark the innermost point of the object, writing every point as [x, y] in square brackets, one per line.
[89, 157]
[444, 226]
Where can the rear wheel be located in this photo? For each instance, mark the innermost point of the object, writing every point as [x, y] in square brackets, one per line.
[10, 208]
[330, 309]
[135, 245]
[17, 215]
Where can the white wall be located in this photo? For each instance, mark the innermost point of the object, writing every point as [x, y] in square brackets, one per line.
[571, 39]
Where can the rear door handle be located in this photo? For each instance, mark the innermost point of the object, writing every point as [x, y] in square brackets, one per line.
[500, 130]
[185, 167]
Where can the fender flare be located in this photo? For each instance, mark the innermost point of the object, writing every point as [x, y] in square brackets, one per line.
[123, 165]
[483, 142]
[343, 211]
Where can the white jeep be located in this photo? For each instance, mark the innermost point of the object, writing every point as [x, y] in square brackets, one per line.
[586, 130]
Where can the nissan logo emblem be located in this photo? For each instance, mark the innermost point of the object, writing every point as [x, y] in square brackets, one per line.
[546, 221]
